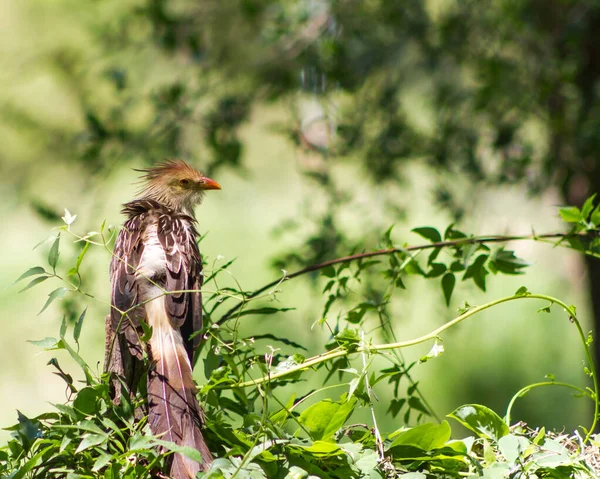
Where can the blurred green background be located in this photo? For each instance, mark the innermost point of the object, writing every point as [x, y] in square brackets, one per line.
[325, 122]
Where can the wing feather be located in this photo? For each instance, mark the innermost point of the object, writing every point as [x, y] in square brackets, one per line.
[177, 235]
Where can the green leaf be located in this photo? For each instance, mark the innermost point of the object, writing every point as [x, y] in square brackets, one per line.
[506, 262]
[102, 461]
[34, 282]
[522, 291]
[387, 237]
[81, 255]
[425, 436]
[356, 314]
[481, 420]
[595, 217]
[31, 272]
[78, 325]
[90, 440]
[448, 282]
[282, 414]
[512, 447]
[85, 402]
[348, 339]
[323, 448]
[436, 269]
[46, 343]
[30, 464]
[185, 450]
[266, 310]
[325, 418]
[570, 214]
[477, 271]
[539, 437]
[285, 341]
[429, 233]
[587, 207]
[63, 327]
[452, 234]
[56, 294]
[54, 253]
[328, 271]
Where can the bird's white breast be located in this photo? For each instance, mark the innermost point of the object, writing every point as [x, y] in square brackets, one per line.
[153, 261]
[152, 264]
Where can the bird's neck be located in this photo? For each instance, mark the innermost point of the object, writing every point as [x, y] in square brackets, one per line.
[178, 205]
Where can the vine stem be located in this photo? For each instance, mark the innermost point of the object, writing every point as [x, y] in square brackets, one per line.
[529, 387]
[363, 348]
[387, 251]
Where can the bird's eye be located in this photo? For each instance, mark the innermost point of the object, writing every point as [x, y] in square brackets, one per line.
[184, 182]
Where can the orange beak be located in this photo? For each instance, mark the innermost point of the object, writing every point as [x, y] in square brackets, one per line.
[208, 184]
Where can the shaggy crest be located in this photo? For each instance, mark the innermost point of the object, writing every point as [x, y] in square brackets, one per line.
[175, 184]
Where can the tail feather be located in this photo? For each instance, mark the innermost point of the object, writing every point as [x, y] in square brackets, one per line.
[173, 410]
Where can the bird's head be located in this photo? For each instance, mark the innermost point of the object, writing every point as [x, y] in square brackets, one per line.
[175, 184]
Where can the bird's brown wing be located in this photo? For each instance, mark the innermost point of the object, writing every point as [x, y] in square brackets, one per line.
[124, 350]
[177, 235]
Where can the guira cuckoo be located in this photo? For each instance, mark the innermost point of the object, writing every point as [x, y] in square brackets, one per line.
[156, 276]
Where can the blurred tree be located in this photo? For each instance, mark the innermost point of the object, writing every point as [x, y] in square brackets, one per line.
[507, 91]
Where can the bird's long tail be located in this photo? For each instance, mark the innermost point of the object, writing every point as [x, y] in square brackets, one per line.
[173, 410]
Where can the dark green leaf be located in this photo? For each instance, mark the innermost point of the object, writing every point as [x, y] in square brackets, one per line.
[85, 402]
[415, 403]
[481, 420]
[387, 237]
[453, 234]
[506, 262]
[477, 271]
[78, 325]
[396, 406]
[81, 255]
[448, 282]
[429, 233]
[328, 271]
[436, 269]
[266, 310]
[433, 255]
[286, 341]
[595, 217]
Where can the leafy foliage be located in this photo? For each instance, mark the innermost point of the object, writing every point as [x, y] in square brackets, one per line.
[256, 431]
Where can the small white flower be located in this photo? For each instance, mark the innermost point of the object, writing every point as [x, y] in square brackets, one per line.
[69, 218]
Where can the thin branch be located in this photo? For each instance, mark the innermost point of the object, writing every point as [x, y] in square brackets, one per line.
[382, 252]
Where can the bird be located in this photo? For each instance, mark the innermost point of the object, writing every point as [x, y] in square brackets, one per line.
[156, 280]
